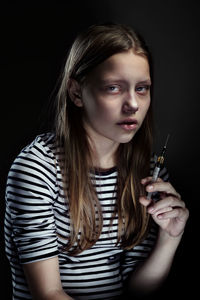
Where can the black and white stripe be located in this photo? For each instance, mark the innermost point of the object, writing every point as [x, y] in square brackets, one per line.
[37, 224]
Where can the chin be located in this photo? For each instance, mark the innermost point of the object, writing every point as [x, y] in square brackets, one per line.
[126, 139]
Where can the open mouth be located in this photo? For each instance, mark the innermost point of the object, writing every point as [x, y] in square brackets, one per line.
[128, 124]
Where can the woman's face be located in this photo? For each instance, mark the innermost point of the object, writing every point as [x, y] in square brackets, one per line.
[116, 97]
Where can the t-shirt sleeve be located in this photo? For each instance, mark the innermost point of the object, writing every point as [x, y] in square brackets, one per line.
[30, 193]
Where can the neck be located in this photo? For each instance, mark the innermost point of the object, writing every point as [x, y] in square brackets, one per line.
[103, 149]
[104, 157]
[103, 153]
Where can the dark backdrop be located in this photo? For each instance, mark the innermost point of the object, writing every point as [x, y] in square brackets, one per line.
[34, 40]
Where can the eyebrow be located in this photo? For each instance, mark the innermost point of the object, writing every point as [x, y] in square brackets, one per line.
[147, 81]
[106, 81]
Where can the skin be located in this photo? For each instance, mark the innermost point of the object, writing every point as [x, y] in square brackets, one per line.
[170, 212]
[116, 89]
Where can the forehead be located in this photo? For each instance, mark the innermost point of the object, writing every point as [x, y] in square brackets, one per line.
[125, 65]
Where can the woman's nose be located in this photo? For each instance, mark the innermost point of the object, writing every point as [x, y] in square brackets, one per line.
[130, 103]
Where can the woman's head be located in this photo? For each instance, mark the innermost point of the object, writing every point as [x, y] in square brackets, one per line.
[114, 99]
[89, 50]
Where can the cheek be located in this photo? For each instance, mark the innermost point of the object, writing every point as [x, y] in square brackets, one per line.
[89, 104]
[103, 113]
[94, 110]
[95, 107]
[146, 106]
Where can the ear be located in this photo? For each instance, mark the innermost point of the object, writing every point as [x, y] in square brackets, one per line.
[74, 91]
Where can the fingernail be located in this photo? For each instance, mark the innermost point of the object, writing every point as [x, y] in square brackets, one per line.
[151, 209]
[150, 187]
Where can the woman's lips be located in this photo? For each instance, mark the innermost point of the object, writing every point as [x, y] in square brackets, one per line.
[128, 124]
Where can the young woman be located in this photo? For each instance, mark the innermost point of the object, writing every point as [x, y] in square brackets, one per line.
[78, 223]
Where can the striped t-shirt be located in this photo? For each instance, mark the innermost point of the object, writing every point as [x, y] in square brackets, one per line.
[37, 225]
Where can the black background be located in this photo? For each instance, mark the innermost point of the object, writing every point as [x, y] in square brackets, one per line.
[35, 37]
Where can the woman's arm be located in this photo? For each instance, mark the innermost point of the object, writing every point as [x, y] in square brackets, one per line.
[44, 280]
[171, 215]
[152, 273]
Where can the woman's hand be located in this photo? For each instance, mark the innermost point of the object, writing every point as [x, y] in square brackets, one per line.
[169, 212]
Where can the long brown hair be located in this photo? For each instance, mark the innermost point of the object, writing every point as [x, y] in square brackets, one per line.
[89, 49]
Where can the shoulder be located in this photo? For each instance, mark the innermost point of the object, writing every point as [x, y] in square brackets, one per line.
[39, 158]
[43, 146]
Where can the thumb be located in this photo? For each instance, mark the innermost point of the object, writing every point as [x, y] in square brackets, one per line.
[144, 201]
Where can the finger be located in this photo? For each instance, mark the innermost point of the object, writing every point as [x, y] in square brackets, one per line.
[161, 186]
[180, 213]
[169, 201]
[160, 211]
[149, 179]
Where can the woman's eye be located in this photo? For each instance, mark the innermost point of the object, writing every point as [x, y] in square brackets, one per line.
[113, 89]
[142, 89]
